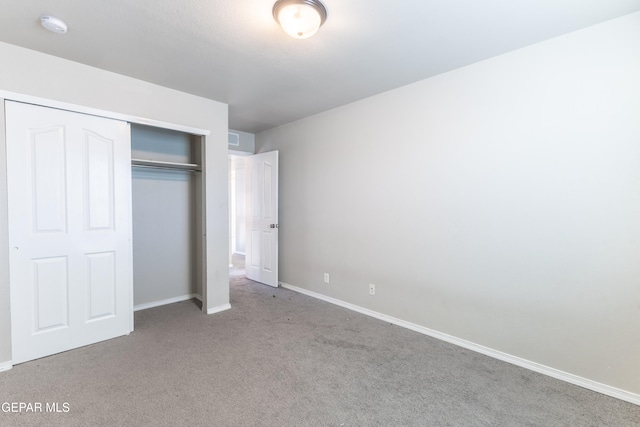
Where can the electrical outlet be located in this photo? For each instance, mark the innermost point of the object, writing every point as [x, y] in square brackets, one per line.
[326, 277]
[372, 289]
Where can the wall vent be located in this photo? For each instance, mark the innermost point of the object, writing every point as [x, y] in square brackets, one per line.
[234, 139]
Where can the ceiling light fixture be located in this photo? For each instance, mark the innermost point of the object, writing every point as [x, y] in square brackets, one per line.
[300, 18]
[53, 24]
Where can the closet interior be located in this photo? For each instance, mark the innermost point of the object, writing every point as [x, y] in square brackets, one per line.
[167, 210]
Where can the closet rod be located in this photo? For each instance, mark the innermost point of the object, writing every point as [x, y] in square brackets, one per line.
[169, 168]
[156, 164]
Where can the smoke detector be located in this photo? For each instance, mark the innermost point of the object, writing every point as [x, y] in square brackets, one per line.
[53, 24]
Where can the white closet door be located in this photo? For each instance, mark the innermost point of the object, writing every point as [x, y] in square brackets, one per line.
[69, 229]
[261, 263]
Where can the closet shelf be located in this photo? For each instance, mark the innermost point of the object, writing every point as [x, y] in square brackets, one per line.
[156, 164]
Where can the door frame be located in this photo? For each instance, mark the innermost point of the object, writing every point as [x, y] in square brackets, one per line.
[5, 307]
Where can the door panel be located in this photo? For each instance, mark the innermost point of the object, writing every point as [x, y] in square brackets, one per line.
[261, 261]
[47, 176]
[267, 244]
[98, 166]
[69, 229]
[102, 285]
[50, 293]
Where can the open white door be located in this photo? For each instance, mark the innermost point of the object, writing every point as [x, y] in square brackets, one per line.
[69, 199]
[261, 262]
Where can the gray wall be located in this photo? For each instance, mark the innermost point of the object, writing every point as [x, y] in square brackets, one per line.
[498, 203]
[32, 73]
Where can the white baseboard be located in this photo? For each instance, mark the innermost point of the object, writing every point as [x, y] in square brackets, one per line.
[218, 309]
[166, 301]
[505, 357]
[5, 366]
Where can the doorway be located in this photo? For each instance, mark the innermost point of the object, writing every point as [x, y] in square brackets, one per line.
[253, 213]
[237, 215]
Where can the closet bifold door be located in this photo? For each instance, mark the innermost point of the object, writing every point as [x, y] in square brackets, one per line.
[69, 229]
[167, 218]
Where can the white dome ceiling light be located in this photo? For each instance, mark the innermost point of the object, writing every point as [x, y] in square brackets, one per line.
[53, 24]
[300, 18]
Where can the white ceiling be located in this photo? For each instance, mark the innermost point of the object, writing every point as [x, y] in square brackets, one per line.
[233, 51]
